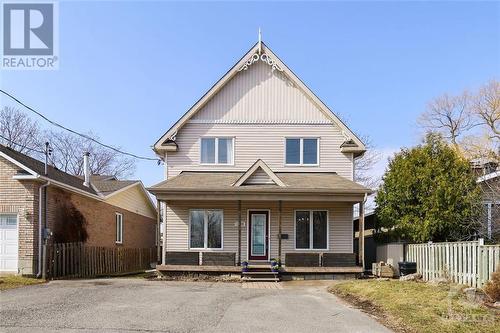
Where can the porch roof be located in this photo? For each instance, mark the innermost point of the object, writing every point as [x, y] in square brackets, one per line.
[222, 183]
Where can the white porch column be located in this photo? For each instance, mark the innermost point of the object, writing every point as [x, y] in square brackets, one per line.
[164, 245]
[158, 230]
[279, 228]
[239, 233]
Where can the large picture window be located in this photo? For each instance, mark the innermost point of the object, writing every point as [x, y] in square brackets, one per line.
[302, 151]
[216, 151]
[205, 228]
[311, 229]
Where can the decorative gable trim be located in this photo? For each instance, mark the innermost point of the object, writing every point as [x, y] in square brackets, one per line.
[243, 64]
[259, 164]
[262, 57]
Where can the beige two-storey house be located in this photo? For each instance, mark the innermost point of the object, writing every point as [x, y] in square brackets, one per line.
[259, 168]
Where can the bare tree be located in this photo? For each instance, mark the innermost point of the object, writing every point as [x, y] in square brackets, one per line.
[363, 166]
[480, 146]
[18, 131]
[23, 134]
[448, 115]
[68, 152]
[486, 107]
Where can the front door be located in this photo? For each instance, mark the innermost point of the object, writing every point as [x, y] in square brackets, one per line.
[257, 232]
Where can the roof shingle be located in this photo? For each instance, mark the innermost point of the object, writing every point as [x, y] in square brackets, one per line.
[294, 181]
[104, 184]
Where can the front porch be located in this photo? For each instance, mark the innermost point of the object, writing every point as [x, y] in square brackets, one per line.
[286, 273]
[214, 221]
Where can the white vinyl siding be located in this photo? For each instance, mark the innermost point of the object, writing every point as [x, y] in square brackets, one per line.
[259, 177]
[340, 231]
[119, 228]
[261, 95]
[260, 141]
[133, 200]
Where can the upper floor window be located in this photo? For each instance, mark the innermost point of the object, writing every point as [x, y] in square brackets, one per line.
[302, 151]
[217, 150]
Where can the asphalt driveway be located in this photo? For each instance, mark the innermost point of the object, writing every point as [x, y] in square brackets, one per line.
[136, 305]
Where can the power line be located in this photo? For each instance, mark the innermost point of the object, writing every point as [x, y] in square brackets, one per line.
[20, 145]
[77, 133]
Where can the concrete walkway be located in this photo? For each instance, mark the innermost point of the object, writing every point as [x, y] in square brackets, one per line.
[136, 305]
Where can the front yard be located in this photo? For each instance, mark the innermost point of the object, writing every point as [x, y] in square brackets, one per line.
[418, 307]
[16, 281]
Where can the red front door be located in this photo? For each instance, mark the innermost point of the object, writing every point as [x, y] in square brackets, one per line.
[257, 235]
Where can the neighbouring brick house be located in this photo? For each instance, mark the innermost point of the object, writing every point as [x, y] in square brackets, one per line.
[103, 210]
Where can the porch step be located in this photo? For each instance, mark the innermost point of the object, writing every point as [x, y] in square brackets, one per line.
[261, 279]
[252, 268]
[261, 272]
[268, 272]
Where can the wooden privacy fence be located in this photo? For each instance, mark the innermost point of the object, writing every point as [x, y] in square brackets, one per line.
[76, 260]
[469, 263]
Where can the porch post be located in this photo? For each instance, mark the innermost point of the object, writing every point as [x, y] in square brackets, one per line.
[361, 239]
[164, 245]
[279, 230]
[239, 233]
[158, 231]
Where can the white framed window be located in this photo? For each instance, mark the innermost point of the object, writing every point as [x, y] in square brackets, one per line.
[206, 228]
[302, 151]
[119, 228]
[311, 230]
[217, 150]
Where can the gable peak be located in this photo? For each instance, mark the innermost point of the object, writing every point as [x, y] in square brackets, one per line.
[261, 55]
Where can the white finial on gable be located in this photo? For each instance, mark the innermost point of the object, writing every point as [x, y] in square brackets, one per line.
[260, 55]
[260, 41]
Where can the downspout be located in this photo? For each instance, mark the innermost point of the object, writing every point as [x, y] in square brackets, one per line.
[41, 207]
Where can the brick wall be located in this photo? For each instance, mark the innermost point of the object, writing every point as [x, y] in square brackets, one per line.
[138, 230]
[21, 198]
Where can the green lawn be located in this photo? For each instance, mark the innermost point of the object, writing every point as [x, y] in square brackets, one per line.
[16, 281]
[418, 307]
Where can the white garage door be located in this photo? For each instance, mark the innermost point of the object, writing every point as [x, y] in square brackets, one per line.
[8, 243]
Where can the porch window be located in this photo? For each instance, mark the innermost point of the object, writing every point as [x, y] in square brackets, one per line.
[311, 229]
[205, 227]
[301, 151]
[119, 228]
[216, 151]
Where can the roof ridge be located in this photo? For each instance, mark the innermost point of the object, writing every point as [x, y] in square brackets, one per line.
[37, 164]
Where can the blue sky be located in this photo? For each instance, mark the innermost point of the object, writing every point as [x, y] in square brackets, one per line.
[128, 70]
